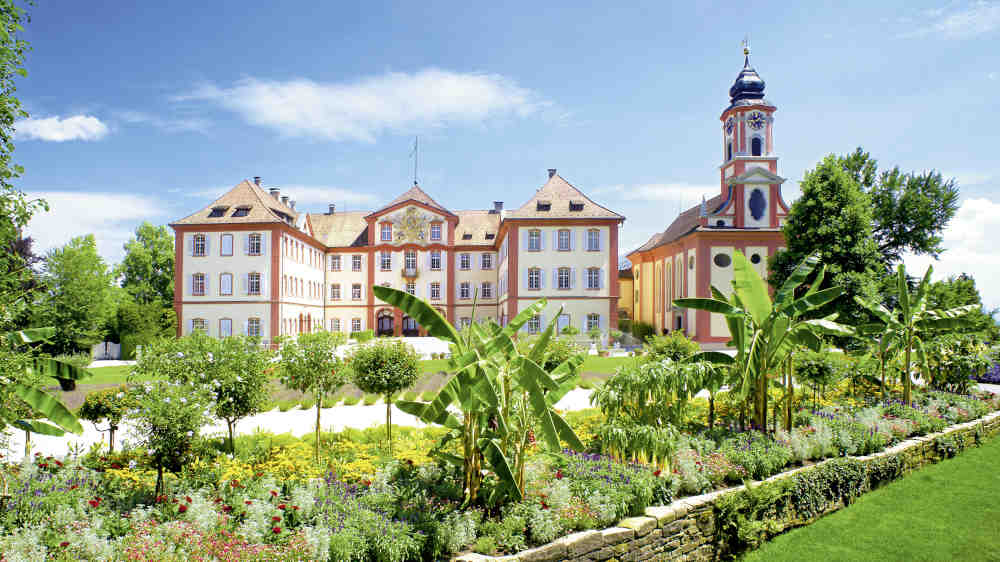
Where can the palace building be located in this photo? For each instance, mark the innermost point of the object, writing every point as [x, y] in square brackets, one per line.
[695, 251]
[250, 263]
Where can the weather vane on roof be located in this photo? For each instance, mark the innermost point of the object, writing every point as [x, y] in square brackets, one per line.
[746, 44]
[416, 156]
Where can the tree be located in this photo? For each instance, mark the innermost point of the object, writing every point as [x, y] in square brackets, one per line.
[674, 346]
[77, 299]
[110, 405]
[147, 270]
[309, 364]
[385, 368]
[240, 377]
[765, 333]
[833, 219]
[961, 290]
[134, 324]
[909, 210]
[913, 320]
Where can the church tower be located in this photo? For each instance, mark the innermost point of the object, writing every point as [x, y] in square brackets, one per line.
[748, 175]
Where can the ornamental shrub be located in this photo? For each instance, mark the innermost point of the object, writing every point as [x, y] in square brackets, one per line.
[241, 371]
[674, 346]
[109, 405]
[309, 364]
[385, 368]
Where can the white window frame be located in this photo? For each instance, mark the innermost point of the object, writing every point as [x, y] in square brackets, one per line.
[335, 324]
[199, 245]
[593, 240]
[253, 283]
[534, 274]
[385, 260]
[255, 244]
[563, 278]
[593, 321]
[253, 327]
[355, 325]
[535, 240]
[465, 262]
[335, 291]
[356, 291]
[564, 244]
[436, 232]
[486, 261]
[435, 291]
[385, 232]
[335, 262]
[411, 288]
[199, 324]
[356, 262]
[196, 290]
[223, 331]
[222, 245]
[222, 284]
[410, 259]
[534, 324]
[435, 260]
[465, 290]
[593, 278]
[486, 290]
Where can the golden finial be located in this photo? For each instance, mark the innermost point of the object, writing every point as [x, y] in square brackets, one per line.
[746, 44]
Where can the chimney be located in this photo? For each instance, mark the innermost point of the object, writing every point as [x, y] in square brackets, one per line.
[333, 208]
[276, 193]
[497, 207]
[256, 181]
[284, 200]
[552, 172]
[291, 204]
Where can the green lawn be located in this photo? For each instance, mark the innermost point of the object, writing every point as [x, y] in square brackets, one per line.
[108, 375]
[948, 511]
[592, 364]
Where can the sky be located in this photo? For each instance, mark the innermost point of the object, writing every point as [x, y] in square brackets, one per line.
[148, 111]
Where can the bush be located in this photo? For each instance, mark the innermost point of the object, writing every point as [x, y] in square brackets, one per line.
[385, 368]
[642, 331]
[370, 399]
[351, 400]
[363, 336]
[757, 453]
[110, 405]
[674, 346]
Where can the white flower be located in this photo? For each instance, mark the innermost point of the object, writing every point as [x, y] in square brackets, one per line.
[167, 400]
[183, 400]
[210, 356]
[131, 464]
[190, 434]
[120, 395]
[179, 354]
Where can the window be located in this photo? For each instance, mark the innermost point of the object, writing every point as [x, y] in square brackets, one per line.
[410, 259]
[385, 261]
[467, 236]
[436, 260]
[217, 212]
[225, 327]
[465, 262]
[722, 260]
[535, 324]
[563, 277]
[253, 327]
[335, 292]
[593, 278]
[576, 206]
[198, 284]
[386, 232]
[691, 262]
[335, 324]
[465, 322]
[563, 238]
[241, 211]
[534, 240]
[355, 324]
[226, 284]
[335, 262]
[756, 146]
[253, 284]
[755, 259]
[253, 245]
[486, 290]
[435, 291]
[226, 248]
[199, 325]
[543, 206]
[729, 151]
[200, 245]
[356, 262]
[593, 321]
[356, 291]
[562, 322]
[436, 232]
[486, 261]
[411, 288]
[534, 278]
[465, 290]
[593, 240]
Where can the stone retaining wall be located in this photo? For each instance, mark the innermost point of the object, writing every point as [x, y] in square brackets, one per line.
[685, 529]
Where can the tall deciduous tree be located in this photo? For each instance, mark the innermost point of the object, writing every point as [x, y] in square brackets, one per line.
[961, 290]
[909, 210]
[147, 271]
[77, 299]
[832, 219]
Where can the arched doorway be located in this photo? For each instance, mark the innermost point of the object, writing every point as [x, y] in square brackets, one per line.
[410, 327]
[384, 323]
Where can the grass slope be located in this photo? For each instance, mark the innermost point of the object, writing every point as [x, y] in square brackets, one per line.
[947, 511]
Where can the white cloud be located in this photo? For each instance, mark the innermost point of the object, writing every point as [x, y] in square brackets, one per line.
[992, 75]
[110, 217]
[970, 243]
[56, 129]
[365, 109]
[684, 192]
[171, 125]
[968, 21]
[310, 194]
[967, 179]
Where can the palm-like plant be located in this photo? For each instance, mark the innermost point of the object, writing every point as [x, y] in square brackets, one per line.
[766, 332]
[907, 326]
[502, 396]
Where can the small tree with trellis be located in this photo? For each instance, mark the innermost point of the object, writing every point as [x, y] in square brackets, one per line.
[385, 368]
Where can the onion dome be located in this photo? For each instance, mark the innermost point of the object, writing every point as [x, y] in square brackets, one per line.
[749, 86]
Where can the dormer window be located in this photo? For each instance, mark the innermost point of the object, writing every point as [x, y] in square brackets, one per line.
[467, 236]
[576, 206]
[241, 212]
[544, 206]
[490, 236]
[218, 212]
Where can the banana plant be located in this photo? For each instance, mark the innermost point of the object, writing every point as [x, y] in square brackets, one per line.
[496, 397]
[882, 338]
[766, 332]
[912, 321]
[41, 405]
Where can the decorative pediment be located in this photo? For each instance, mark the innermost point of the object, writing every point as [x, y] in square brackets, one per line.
[411, 224]
[756, 175]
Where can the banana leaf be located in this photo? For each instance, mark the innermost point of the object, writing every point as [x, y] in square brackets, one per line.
[48, 407]
[425, 315]
[41, 428]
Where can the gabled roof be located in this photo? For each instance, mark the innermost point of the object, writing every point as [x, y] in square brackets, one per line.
[413, 194]
[683, 224]
[756, 175]
[560, 193]
[261, 208]
[341, 229]
[476, 224]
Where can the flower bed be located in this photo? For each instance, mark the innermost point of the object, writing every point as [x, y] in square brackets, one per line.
[366, 505]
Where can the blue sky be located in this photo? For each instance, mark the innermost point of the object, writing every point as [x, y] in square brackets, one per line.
[148, 111]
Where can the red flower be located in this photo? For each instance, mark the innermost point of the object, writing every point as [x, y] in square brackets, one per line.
[367, 482]
[43, 465]
[559, 474]
[259, 474]
[276, 518]
[116, 466]
[281, 506]
[64, 544]
[657, 473]
[544, 505]
[93, 503]
[188, 498]
[295, 507]
[73, 487]
[59, 464]
[182, 508]
[218, 500]
[248, 502]
[276, 530]
[274, 494]
[227, 508]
